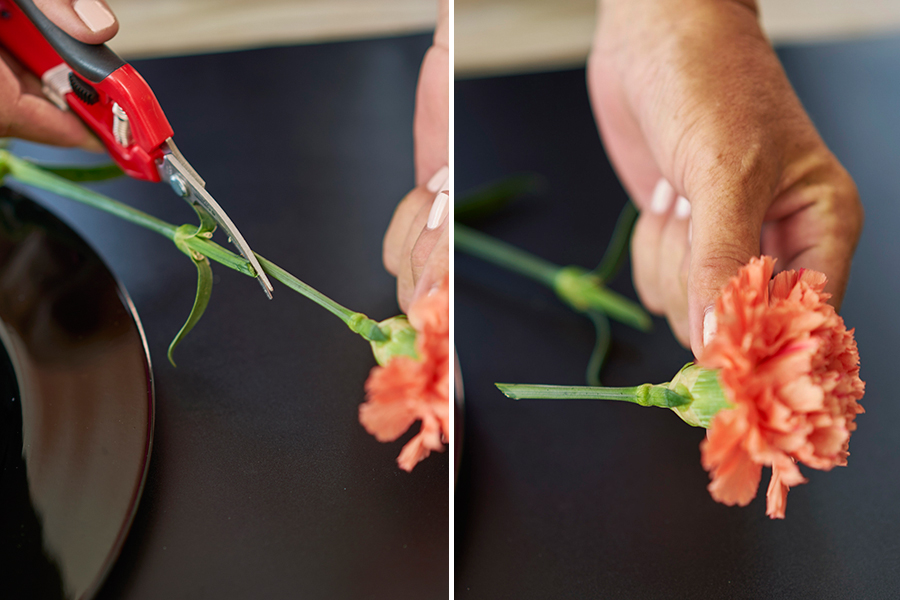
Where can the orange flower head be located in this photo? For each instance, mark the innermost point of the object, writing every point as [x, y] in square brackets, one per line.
[790, 369]
[406, 388]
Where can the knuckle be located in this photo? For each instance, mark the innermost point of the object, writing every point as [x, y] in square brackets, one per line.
[720, 261]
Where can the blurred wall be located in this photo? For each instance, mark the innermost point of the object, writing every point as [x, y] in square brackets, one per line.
[504, 36]
[167, 27]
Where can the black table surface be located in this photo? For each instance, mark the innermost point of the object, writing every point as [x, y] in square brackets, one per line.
[606, 500]
[262, 482]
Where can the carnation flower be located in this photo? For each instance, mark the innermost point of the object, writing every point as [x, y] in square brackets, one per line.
[790, 370]
[411, 382]
[778, 385]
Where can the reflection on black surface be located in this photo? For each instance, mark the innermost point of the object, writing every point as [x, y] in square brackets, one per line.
[30, 572]
[77, 409]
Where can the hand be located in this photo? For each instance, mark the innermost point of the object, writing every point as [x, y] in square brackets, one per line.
[417, 242]
[24, 112]
[693, 103]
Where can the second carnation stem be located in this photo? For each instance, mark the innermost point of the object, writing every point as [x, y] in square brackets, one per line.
[578, 287]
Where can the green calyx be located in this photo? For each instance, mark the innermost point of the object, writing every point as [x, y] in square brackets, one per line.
[400, 340]
[694, 394]
[704, 393]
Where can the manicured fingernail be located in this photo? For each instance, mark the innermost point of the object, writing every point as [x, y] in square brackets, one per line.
[439, 209]
[438, 181]
[709, 326]
[682, 208]
[662, 197]
[94, 14]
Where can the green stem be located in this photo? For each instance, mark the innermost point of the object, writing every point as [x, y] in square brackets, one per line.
[29, 174]
[503, 255]
[358, 322]
[644, 395]
[601, 347]
[618, 243]
[575, 286]
[583, 292]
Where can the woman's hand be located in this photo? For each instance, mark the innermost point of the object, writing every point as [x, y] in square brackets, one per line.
[417, 243]
[24, 112]
[713, 145]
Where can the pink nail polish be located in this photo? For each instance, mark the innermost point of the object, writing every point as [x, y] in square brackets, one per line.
[709, 326]
[439, 180]
[682, 208]
[94, 14]
[439, 209]
[662, 197]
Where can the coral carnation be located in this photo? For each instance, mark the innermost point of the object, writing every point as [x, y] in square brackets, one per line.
[790, 369]
[409, 389]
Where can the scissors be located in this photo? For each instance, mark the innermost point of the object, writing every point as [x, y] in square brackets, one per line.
[116, 104]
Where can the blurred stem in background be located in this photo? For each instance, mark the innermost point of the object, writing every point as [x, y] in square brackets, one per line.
[582, 290]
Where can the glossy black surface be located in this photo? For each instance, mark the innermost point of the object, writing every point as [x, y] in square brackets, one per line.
[263, 484]
[77, 408]
[603, 500]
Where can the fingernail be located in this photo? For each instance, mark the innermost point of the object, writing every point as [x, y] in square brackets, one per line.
[662, 197]
[94, 14]
[682, 208]
[709, 326]
[439, 209]
[438, 180]
[418, 292]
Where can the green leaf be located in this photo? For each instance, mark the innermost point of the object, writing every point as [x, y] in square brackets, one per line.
[490, 198]
[201, 300]
[84, 173]
[618, 244]
[601, 347]
[204, 271]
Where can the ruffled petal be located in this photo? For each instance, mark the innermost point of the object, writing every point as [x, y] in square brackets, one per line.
[790, 367]
[735, 476]
[406, 389]
[421, 445]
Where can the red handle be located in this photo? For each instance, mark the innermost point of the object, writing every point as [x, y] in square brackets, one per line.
[139, 143]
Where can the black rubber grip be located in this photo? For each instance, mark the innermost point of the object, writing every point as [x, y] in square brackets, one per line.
[94, 62]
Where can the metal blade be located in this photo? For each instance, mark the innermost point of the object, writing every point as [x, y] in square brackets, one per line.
[177, 172]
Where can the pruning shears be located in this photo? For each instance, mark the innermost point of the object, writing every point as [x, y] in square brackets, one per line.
[115, 102]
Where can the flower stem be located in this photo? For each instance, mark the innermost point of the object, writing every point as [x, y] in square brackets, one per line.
[601, 347]
[358, 322]
[583, 291]
[644, 395]
[504, 255]
[30, 174]
[575, 286]
[618, 243]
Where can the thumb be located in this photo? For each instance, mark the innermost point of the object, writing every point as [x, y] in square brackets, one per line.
[725, 235]
[89, 21]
